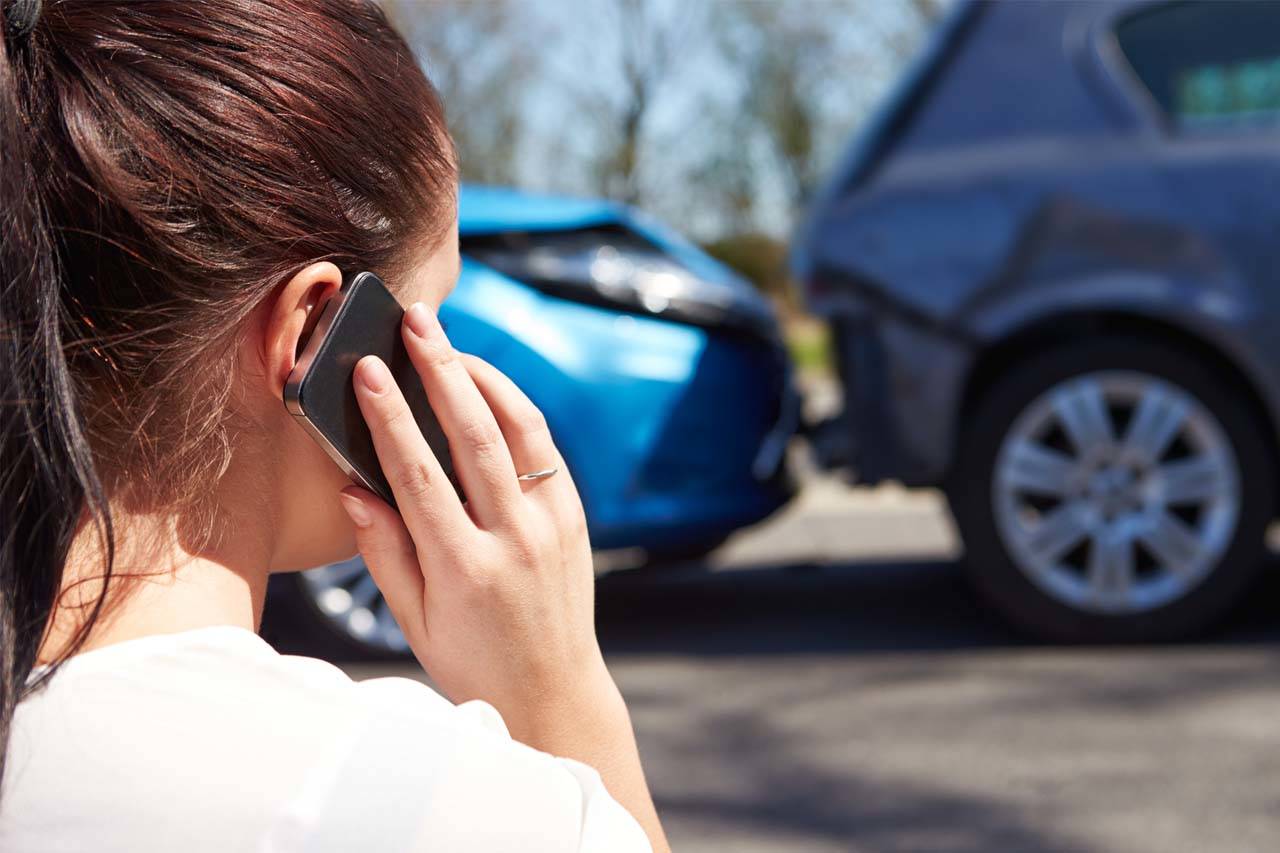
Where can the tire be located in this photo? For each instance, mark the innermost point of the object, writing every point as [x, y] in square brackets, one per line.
[294, 623]
[1015, 517]
[679, 555]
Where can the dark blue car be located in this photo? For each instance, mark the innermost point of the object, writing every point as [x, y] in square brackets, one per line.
[1051, 270]
[661, 373]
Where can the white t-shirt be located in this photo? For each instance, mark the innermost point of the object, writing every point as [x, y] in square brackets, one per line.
[209, 740]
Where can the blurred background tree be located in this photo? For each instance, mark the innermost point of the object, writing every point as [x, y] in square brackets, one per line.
[647, 47]
[482, 57]
[719, 116]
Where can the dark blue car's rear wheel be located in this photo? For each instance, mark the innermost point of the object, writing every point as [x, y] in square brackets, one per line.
[1113, 490]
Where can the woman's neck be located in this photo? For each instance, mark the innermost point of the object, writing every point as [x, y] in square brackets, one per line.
[164, 579]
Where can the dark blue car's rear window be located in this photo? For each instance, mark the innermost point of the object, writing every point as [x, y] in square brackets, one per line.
[1207, 63]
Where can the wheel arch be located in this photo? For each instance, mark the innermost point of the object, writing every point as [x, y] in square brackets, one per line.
[1048, 333]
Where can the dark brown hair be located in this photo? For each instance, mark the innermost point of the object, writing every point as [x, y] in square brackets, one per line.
[166, 165]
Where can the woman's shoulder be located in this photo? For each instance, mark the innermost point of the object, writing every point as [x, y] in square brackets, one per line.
[219, 668]
[213, 681]
[221, 743]
[197, 726]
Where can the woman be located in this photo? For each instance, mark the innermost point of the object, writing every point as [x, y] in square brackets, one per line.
[182, 186]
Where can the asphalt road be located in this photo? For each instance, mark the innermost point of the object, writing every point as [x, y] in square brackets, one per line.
[827, 682]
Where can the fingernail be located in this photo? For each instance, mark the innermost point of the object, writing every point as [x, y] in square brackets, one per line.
[355, 508]
[419, 320]
[373, 374]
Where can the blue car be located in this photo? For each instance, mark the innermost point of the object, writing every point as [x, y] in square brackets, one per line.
[661, 373]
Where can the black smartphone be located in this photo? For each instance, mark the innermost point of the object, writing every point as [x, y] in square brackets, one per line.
[362, 319]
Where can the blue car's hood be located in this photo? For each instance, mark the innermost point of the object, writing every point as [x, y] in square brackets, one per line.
[488, 210]
[485, 210]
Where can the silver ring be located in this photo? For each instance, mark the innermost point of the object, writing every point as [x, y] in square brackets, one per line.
[538, 475]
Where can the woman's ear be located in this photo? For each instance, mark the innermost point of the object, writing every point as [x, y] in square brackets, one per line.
[291, 314]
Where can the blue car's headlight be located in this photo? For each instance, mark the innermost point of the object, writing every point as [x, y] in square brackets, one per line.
[612, 266]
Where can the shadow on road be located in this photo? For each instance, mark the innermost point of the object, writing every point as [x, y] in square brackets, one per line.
[771, 719]
[834, 608]
[786, 800]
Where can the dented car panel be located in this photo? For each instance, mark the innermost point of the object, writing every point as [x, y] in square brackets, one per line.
[1024, 177]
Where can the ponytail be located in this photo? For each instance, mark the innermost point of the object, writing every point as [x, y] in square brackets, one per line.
[47, 478]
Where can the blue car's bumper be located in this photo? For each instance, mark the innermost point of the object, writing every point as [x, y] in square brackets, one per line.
[675, 433]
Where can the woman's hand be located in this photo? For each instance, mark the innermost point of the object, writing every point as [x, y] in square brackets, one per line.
[495, 597]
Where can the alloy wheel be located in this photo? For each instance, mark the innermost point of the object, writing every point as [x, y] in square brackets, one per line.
[1116, 492]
